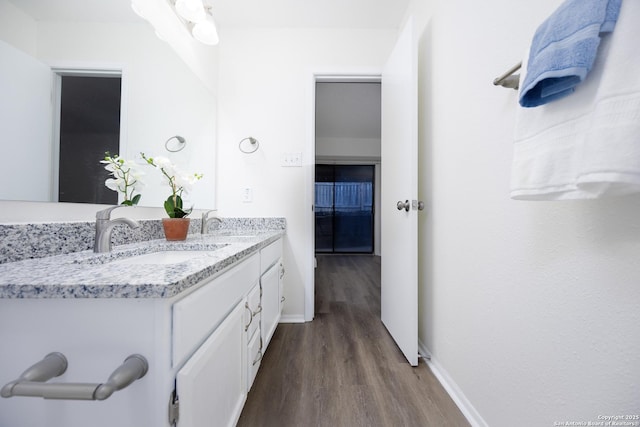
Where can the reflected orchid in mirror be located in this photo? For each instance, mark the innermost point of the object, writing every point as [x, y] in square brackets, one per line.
[126, 178]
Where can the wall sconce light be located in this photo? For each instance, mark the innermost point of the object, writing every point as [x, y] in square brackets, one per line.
[198, 19]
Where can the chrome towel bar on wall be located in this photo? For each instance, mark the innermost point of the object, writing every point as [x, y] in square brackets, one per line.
[33, 381]
[509, 79]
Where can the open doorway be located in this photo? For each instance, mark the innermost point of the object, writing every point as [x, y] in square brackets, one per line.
[87, 125]
[347, 165]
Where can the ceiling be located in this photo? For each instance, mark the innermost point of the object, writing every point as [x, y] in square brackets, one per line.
[238, 13]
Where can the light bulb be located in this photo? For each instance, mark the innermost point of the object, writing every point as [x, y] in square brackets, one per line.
[191, 10]
[205, 31]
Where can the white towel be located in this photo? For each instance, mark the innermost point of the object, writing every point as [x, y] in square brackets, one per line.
[586, 145]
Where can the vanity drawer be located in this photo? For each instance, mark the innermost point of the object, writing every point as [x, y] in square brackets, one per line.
[270, 254]
[199, 313]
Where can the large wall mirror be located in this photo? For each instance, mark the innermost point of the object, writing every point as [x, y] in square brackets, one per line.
[161, 96]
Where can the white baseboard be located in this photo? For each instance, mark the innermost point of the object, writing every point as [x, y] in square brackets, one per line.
[292, 318]
[465, 406]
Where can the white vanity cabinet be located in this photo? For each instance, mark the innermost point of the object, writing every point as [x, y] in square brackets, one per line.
[200, 346]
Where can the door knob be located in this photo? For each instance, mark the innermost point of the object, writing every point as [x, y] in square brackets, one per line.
[403, 205]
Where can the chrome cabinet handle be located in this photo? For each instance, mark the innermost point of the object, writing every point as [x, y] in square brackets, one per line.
[246, 306]
[258, 357]
[258, 311]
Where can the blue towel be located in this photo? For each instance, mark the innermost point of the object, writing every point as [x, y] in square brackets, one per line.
[564, 48]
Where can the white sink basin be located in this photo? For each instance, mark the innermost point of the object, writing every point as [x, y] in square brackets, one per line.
[164, 257]
[158, 254]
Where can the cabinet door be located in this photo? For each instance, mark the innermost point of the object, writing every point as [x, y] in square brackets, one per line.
[212, 384]
[254, 357]
[270, 282]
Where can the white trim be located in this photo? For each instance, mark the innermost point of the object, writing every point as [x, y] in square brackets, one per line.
[56, 91]
[346, 78]
[454, 391]
[344, 75]
[292, 318]
[309, 197]
[324, 160]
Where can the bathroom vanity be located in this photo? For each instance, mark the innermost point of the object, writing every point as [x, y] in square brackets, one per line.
[201, 312]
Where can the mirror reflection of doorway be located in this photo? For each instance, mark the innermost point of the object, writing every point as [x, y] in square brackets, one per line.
[344, 213]
[89, 127]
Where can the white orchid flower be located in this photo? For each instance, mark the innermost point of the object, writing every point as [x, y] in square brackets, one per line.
[127, 178]
[179, 182]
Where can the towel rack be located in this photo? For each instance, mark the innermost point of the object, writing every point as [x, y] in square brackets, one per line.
[508, 79]
[33, 381]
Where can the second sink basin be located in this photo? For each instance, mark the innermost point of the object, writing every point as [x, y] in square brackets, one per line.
[164, 257]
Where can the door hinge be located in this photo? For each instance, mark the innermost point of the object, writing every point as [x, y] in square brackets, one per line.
[174, 408]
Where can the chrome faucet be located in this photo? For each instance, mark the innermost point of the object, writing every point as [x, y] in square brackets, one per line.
[104, 226]
[206, 220]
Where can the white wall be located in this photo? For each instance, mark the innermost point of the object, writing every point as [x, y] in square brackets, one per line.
[17, 28]
[25, 109]
[266, 91]
[530, 309]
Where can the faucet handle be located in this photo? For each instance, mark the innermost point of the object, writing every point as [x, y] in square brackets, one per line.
[205, 215]
[106, 213]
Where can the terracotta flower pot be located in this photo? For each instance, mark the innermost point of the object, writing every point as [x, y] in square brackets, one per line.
[175, 228]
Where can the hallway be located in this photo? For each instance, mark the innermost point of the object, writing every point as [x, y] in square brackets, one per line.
[343, 369]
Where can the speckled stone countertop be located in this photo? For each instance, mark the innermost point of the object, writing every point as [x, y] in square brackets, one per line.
[89, 275]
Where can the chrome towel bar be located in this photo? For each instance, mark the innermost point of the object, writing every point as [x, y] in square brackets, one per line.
[508, 79]
[33, 381]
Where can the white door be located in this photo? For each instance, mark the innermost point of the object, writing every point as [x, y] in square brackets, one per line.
[399, 240]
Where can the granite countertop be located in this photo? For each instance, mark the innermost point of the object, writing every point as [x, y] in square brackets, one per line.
[89, 275]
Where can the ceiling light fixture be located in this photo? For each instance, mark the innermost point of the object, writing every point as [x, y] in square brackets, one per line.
[198, 19]
[205, 31]
[191, 10]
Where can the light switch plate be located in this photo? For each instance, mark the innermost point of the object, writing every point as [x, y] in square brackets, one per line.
[292, 159]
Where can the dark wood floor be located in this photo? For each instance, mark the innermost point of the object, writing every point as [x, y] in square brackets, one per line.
[343, 369]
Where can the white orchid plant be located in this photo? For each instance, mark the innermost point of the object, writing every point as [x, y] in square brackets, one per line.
[126, 178]
[179, 182]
